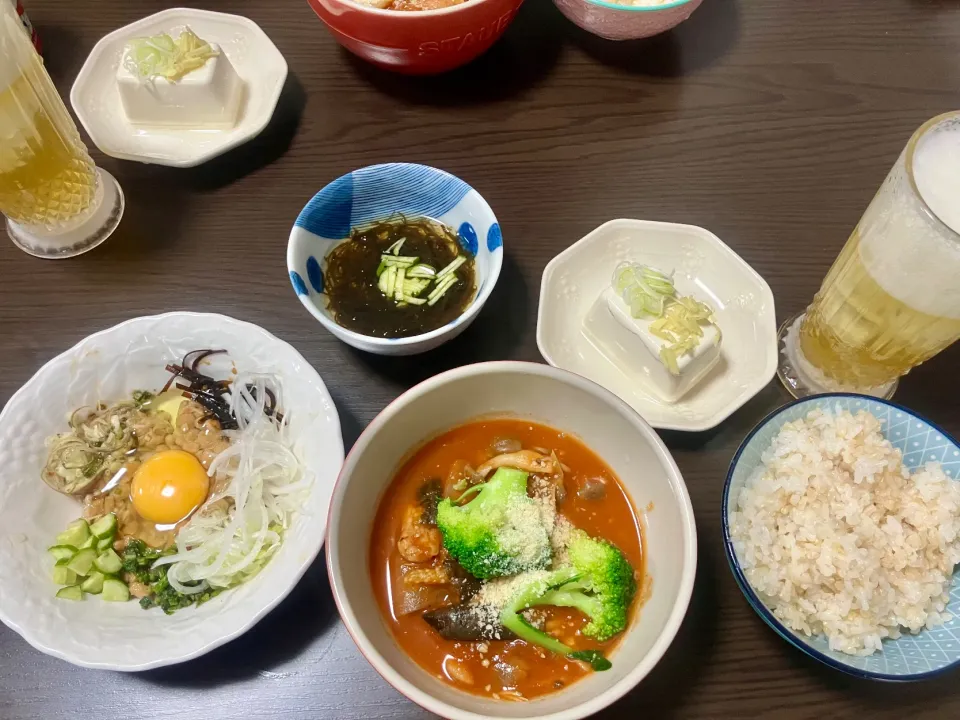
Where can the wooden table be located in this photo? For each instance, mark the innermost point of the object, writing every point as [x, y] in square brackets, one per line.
[770, 122]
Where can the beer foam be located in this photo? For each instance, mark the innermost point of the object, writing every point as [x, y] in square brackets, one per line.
[911, 258]
[936, 171]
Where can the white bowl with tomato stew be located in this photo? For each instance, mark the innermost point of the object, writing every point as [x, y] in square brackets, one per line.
[400, 542]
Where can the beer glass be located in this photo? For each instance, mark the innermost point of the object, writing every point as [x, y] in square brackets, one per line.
[57, 202]
[892, 298]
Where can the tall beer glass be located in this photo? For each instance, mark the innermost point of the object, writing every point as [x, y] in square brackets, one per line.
[57, 202]
[892, 298]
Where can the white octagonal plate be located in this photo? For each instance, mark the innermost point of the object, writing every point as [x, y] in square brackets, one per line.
[108, 366]
[704, 267]
[96, 99]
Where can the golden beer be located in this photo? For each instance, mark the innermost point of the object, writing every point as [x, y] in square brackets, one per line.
[50, 189]
[46, 176]
[892, 298]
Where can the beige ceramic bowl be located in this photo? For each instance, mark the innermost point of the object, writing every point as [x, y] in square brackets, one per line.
[562, 400]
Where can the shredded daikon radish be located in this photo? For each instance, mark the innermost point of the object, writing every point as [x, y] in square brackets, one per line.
[226, 544]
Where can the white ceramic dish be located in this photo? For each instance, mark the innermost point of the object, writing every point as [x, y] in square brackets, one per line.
[562, 400]
[109, 365]
[705, 268]
[376, 192]
[96, 98]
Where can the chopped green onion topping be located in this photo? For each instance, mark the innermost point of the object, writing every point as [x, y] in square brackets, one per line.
[161, 56]
[677, 320]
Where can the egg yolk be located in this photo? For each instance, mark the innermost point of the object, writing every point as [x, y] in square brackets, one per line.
[169, 486]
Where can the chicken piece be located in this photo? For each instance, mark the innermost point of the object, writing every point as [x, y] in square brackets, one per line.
[527, 460]
[427, 576]
[418, 542]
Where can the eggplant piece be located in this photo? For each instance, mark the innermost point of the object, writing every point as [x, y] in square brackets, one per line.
[428, 495]
[468, 622]
[465, 583]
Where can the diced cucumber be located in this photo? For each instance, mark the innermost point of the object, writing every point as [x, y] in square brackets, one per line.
[62, 552]
[83, 561]
[71, 592]
[76, 534]
[104, 544]
[62, 575]
[105, 527]
[93, 583]
[108, 562]
[115, 591]
[90, 542]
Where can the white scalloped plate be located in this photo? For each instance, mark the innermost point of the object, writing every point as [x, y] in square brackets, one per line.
[704, 267]
[108, 366]
[96, 99]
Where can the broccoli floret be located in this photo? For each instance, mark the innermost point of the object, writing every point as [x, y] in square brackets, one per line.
[499, 531]
[598, 581]
[530, 595]
[604, 590]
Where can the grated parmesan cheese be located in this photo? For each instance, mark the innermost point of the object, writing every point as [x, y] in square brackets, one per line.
[524, 534]
[560, 537]
[495, 593]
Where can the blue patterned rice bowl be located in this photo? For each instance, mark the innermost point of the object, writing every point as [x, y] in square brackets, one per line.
[911, 656]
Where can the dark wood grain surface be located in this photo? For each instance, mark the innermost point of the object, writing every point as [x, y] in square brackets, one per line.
[770, 122]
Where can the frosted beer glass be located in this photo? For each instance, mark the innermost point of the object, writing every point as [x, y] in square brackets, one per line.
[892, 298]
[56, 201]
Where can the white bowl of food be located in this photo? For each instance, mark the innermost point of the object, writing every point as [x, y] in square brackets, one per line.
[395, 259]
[452, 602]
[179, 87]
[106, 499]
[665, 316]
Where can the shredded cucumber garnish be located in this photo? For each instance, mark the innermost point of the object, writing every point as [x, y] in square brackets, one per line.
[677, 320]
[452, 267]
[161, 56]
[404, 279]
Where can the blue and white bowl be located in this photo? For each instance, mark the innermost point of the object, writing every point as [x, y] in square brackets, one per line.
[910, 657]
[374, 193]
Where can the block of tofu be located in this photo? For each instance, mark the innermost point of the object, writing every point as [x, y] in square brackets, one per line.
[206, 98]
[628, 343]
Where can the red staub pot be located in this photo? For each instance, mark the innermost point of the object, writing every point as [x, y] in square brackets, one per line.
[425, 42]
